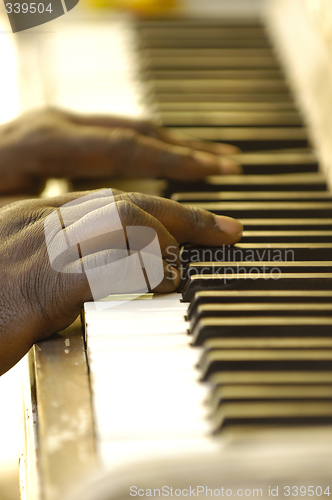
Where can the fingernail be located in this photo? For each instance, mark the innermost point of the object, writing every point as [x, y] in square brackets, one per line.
[229, 225]
[229, 167]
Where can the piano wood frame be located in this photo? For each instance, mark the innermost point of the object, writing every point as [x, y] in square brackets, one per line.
[295, 31]
[60, 443]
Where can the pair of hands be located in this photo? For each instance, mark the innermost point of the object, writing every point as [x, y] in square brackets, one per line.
[37, 296]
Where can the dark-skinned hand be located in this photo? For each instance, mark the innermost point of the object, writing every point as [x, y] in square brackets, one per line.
[49, 246]
[54, 143]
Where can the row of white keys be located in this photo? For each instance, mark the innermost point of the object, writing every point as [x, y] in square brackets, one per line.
[146, 398]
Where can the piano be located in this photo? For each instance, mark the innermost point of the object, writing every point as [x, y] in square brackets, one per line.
[225, 386]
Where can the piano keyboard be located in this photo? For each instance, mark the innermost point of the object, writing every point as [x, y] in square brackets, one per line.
[247, 344]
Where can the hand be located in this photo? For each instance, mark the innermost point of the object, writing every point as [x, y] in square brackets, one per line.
[54, 143]
[47, 272]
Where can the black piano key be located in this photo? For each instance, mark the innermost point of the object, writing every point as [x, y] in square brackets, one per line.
[257, 281]
[291, 236]
[268, 393]
[277, 164]
[289, 168]
[219, 97]
[228, 74]
[217, 196]
[188, 118]
[193, 22]
[258, 252]
[251, 134]
[288, 235]
[220, 270]
[193, 62]
[197, 31]
[267, 166]
[257, 297]
[284, 182]
[288, 345]
[268, 210]
[267, 343]
[269, 326]
[251, 138]
[176, 53]
[287, 225]
[187, 43]
[262, 392]
[250, 309]
[269, 359]
[260, 164]
[224, 106]
[229, 118]
[270, 377]
[291, 266]
[272, 413]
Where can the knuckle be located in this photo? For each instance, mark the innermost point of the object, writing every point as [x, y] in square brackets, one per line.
[129, 213]
[124, 149]
[20, 216]
[151, 204]
[198, 218]
[148, 128]
[170, 156]
[137, 198]
[51, 113]
[126, 139]
[188, 157]
[176, 160]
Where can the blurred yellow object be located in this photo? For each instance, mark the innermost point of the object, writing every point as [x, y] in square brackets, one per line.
[141, 7]
[150, 6]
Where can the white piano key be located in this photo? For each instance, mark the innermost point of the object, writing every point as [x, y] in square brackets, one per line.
[116, 454]
[133, 424]
[156, 327]
[146, 302]
[143, 376]
[115, 340]
[136, 315]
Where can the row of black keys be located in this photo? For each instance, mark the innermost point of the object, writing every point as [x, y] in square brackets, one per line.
[266, 355]
[262, 312]
[219, 82]
[266, 343]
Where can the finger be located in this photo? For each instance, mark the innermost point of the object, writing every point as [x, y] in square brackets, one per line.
[188, 224]
[153, 157]
[180, 139]
[144, 127]
[86, 151]
[150, 129]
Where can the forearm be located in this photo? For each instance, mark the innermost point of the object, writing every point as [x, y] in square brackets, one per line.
[16, 333]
